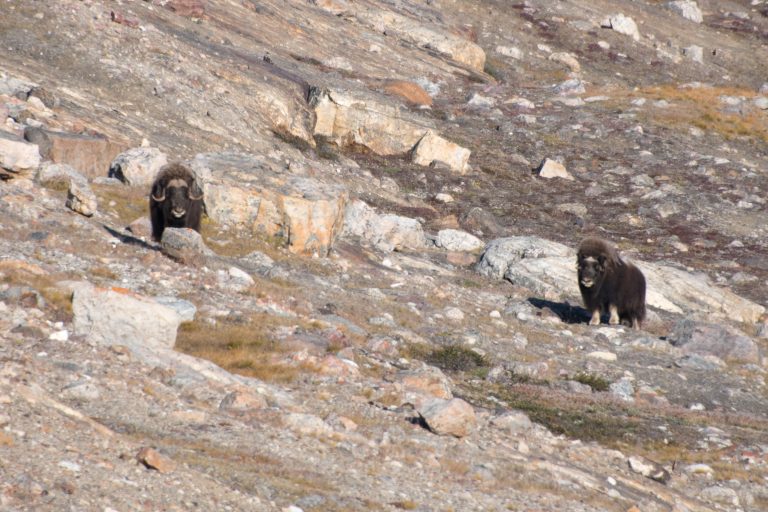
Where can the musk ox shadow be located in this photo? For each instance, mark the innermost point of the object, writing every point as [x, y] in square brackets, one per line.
[567, 313]
[176, 200]
[608, 283]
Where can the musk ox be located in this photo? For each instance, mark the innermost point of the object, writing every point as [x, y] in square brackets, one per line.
[175, 200]
[608, 283]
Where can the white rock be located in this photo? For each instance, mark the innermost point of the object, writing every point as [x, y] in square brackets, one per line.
[552, 169]
[695, 53]
[520, 103]
[623, 25]
[81, 199]
[456, 240]
[602, 356]
[444, 198]
[454, 314]
[17, 155]
[567, 59]
[479, 101]
[120, 317]
[688, 9]
[449, 417]
[307, 424]
[433, 148]
[386, 232]
[138, 166]
[59, 336]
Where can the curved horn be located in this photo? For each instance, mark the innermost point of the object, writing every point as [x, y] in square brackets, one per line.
[155, 198]
[191, 195]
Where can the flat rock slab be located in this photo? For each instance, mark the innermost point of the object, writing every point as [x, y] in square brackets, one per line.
[90, 155]
[116, 316]
[453, 417]
[256, 194]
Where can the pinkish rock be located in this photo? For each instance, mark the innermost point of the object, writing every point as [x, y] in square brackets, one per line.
[449, 417]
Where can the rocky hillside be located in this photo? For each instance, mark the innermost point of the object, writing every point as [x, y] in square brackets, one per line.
[381, 311]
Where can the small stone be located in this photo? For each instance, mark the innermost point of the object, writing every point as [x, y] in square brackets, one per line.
[648, 469]
[454, 314]
[458, 241]
[428, 381]
[552, 169]
[521, 103]
[85, 391]
[688, 9]
[185, 245]
[695, 53]
[70, 466]
[307, 424]
[242, 401]
[444, 198]
[433, 148]
[81, 199]
[481, 102]
[699, 469]
[566, 59]
[603, 356]
[449, 417]
[623, 389]
[59, 336]
[623, 25]
[152, 459]
[513, 422]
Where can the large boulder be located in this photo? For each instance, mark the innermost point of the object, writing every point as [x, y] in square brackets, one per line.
[138, 166]
[17, 155]
[705, 339]
[116, 316]
[256, 195]
[386, 232]
[91, 155]
[457, 48]
[453, 417]
[353, 120]
[433, 148]
[548, 269]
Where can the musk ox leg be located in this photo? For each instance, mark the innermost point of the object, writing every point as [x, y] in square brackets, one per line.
[635, 323]
[614, 311]
[595, 320]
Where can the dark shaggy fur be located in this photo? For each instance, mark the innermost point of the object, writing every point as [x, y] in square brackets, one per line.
[176, 200]
[607, 283]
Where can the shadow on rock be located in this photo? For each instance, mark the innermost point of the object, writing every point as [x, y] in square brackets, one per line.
[564, 311]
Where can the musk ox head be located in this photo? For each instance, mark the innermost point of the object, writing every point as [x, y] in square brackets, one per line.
[175, 200]
[595, 259]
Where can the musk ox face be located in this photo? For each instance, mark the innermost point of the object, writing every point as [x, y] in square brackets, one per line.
[175, 201]
[591, 271]
[609, 284]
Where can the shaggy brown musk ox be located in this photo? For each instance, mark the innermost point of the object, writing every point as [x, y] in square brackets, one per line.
[176, 200]
[608, 283]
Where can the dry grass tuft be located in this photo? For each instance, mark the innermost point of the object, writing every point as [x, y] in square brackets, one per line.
[124, 202]
[701, 107]
[246, 348]
[56, 298]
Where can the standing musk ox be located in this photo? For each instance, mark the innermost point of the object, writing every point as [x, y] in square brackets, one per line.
[608, 283]
[176, 200]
